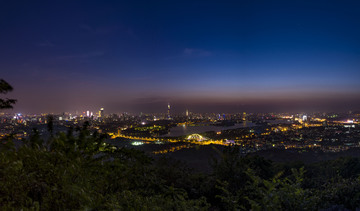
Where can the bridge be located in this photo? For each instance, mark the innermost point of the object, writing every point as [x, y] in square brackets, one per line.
[196, 137]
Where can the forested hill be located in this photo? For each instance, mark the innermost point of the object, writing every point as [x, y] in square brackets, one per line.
[68, 171]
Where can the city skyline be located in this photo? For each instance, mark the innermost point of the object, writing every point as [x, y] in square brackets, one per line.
[213, 57]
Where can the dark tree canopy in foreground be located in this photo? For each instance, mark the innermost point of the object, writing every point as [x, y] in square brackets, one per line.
[4, 89]
[77, 170]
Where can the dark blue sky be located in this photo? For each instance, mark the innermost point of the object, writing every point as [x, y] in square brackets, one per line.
[203, 55]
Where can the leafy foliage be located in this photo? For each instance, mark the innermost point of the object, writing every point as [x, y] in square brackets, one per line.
[78, 170]
[4, 89]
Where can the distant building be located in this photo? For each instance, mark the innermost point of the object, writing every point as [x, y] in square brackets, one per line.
[304, 118]
[168, 111]
[101, 113]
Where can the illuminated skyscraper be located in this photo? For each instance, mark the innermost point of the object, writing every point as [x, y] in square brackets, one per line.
[244, 116]
[304, 118]
[101, 112]
[168, 112]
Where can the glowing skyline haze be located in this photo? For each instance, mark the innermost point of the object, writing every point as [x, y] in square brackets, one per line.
[228, 56]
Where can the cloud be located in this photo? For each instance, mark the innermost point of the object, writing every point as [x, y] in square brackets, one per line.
[83, 55]
[196, 52]
[190, 52]
[150, 100]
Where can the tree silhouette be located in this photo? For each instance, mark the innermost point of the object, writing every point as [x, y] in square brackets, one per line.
[5, 88]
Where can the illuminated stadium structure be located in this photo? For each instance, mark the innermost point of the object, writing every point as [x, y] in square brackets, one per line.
[196, 137]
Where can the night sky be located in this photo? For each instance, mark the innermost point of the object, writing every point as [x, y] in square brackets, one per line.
[221, 56]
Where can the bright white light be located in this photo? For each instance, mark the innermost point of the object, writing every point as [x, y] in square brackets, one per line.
[304, 118]
[137, 143]
[143, 123]
[158, 142]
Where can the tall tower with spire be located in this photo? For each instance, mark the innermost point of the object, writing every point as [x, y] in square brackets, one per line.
[168, 111]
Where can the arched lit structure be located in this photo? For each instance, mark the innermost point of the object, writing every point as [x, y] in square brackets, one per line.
[196, 137]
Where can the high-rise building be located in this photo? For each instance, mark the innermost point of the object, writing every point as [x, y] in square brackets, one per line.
[101, 113]
[304, 118]
[168, 111]
[244, 116]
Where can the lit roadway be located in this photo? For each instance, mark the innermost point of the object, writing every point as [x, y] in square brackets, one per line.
[203, 140]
